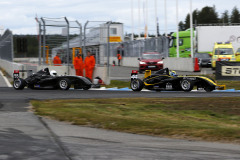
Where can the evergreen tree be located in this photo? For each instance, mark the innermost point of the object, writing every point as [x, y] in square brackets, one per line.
[181, 26]
[208, 15]
[225, 18]
[195, 16]
[235, 18]
[187, 21]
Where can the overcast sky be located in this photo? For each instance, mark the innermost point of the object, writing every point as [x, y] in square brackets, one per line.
[18, 15]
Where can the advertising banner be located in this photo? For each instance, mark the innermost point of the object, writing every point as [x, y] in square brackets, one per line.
[227, 70]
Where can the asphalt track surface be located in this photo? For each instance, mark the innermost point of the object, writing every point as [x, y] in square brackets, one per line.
[26, 136]
[28, 94]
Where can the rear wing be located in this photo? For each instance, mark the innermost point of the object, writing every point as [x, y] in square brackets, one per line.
[134, 74]
[16, 73]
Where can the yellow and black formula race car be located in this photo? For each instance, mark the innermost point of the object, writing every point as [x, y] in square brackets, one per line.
[166, 80]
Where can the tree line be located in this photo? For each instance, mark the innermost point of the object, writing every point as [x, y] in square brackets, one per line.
[208, 15]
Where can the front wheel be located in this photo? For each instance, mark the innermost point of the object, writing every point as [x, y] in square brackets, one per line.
[64, 84]
[19, 84]
[186, 85]
[137, 84]
[209, 89]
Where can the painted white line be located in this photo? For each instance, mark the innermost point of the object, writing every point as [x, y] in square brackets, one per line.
[6, 80]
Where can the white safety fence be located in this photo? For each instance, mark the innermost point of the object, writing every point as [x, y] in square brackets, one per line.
[9, 67]
[179, 64]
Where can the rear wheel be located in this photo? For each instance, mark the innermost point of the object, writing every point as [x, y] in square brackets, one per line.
[137, 84]
[64, 84]
[19, 84]
[186, 85]
[87, 87]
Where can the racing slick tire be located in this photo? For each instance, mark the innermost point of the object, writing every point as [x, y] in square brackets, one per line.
[209, 89]
[186, 85]
[19, 84]
[137, 84]
[87, 87]
[64, 84]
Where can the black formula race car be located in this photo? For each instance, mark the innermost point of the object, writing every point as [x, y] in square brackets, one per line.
[165, 80]
[44, 79]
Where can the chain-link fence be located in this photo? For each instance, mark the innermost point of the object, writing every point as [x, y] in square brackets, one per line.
[96, 33]
[103, 39]
[6, 46]
[58, 35]
[137, 47]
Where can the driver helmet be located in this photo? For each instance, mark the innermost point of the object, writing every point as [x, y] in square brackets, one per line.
[53, 73]
[173, 73]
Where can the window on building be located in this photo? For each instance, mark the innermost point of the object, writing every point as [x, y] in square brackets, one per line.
[113, 30]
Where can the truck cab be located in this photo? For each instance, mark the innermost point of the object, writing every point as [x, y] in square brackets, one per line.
[222, 52]
[184, 44]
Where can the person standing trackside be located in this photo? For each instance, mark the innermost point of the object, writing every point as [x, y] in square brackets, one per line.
[56, 60]
[119, 57]
[89, 64]
[78, 65]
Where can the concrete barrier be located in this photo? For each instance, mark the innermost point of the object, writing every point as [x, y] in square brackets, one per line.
[126, 61]
[179, 64]
[9, 67]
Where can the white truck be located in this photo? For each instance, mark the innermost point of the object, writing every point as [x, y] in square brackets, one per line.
[206, 36]
[204, 39]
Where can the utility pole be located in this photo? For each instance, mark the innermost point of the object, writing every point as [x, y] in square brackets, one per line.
[165, 10]
[132, 20]
[177, 28]
[139, 20]
[156, 18]
[191, 27]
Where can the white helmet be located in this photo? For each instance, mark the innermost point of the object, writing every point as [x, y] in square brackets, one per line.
[53, 73]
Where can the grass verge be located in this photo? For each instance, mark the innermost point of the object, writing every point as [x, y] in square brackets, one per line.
[211, 119]
[119, 84]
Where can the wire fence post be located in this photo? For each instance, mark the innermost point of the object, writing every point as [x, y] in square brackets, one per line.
[108, 48]
[80, 36]
[44, 42]
[84, 39]
[39, 40]
[12, 47]
[67, 45]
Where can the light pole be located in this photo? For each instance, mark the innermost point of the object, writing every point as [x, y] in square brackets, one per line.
[139, 20]
[177, 28]
[191, 28]
[132, 19]
[156, 19]
[165, 10]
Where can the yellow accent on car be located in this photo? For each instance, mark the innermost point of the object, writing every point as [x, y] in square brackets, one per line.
[147, 73]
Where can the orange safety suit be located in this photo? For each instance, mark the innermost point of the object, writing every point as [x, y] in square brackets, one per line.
[89, 64]
[119, 57]
[57, 61]
[78, 65]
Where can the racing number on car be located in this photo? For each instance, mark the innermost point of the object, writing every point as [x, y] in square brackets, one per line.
[15, 75]
[134, 76]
